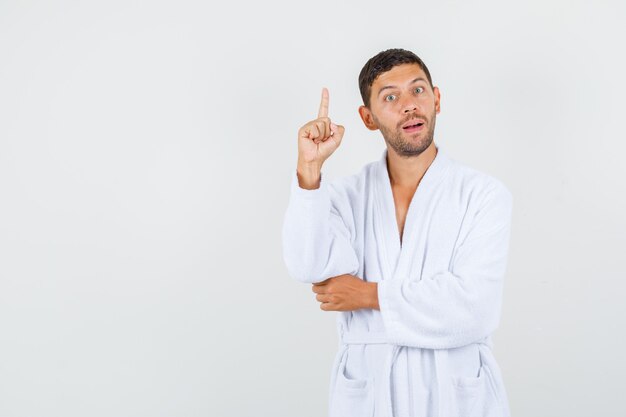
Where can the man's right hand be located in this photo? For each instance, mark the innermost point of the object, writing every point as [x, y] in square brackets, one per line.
[317, 140]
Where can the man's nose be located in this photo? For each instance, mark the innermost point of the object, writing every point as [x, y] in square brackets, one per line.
[409, 105]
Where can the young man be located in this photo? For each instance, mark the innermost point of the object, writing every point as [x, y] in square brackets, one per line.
[411, 251]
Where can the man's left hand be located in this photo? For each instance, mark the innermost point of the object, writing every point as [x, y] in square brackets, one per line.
[346, 293]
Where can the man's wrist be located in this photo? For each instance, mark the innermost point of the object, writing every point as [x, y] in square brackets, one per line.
[372, 295]
[309, 176]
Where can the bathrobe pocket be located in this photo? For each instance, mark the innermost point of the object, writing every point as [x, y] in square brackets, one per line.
[470, 394]
[351, 397]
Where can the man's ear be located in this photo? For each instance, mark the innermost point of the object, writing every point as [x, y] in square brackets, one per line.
[437, 94]
[366, 116]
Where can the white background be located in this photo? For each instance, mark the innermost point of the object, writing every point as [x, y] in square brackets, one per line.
[146, 151]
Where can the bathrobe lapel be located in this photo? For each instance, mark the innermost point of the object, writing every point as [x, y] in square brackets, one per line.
[398, 258]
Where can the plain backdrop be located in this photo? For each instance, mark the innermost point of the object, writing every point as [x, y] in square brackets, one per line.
[146, 152]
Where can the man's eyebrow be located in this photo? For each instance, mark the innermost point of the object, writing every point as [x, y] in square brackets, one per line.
[387, 87]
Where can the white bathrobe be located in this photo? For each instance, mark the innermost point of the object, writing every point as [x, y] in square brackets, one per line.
[428, 351]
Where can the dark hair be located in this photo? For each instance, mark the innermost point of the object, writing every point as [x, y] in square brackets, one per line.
[383, 62]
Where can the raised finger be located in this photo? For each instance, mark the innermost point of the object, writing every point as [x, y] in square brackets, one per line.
[323, 112]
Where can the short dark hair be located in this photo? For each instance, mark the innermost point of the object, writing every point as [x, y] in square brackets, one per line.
[383, 62]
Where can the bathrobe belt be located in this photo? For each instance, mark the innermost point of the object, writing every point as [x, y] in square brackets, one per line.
[384, 402]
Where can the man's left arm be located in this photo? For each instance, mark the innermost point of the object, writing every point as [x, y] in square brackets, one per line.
[462, 305]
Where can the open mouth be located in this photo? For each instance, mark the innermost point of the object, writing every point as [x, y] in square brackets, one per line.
[413, 126]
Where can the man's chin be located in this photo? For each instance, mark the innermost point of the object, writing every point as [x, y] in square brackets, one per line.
[408, 150]
[411, 146]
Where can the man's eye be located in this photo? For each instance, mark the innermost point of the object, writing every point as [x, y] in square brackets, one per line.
[390, 97]
[418, 88]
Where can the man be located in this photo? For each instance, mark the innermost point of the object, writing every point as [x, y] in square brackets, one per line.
[411, 251]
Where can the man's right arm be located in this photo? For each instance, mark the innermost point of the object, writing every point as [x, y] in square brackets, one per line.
[316, 242]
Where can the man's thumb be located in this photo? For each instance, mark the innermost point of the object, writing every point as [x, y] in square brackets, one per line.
[337, 129]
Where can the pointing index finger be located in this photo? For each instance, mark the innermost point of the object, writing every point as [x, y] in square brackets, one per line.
[324, 104]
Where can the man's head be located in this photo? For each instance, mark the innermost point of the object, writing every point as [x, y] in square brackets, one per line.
[398, 93]
[383, 62]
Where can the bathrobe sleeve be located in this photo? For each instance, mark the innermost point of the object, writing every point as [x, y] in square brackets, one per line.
[316, 241]
[461, 305]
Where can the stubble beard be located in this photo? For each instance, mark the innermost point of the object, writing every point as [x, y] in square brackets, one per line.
[407, 148]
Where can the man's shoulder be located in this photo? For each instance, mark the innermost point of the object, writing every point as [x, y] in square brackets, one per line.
[475, 181]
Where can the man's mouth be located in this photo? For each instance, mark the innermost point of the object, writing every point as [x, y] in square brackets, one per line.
[413, 125]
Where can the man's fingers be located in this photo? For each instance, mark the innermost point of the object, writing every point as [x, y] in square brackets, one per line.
[324, 298]
[317, 285]
[337, 130]
[324, 129]
[333, 128]
[319, 289]
[324, 104]
[313, 131]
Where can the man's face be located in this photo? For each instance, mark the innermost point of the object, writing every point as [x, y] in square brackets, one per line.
[404, 107]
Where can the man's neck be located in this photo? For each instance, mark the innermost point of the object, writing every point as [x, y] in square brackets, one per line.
[408, 172]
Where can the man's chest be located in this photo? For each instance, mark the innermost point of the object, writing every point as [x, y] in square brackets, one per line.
[402, 200]
[417, 232]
